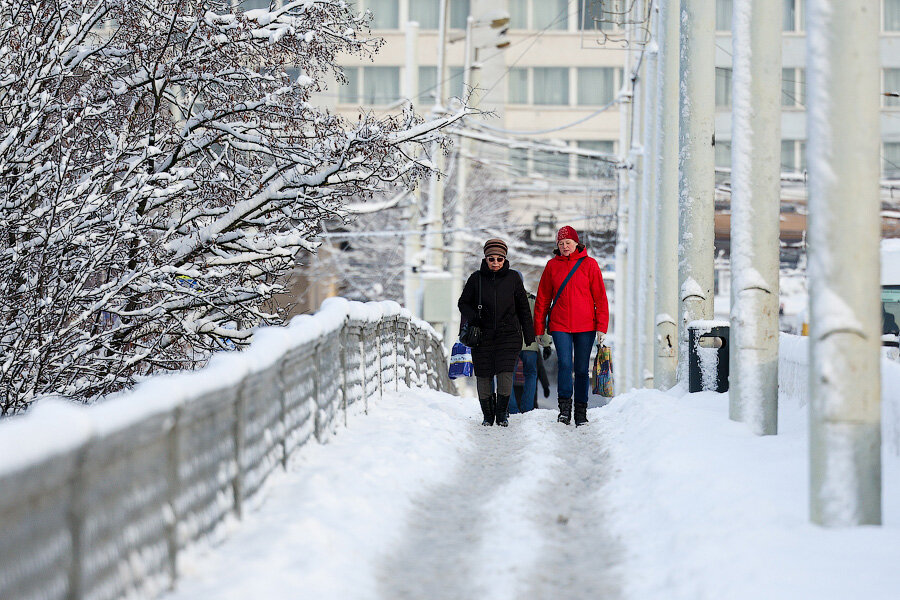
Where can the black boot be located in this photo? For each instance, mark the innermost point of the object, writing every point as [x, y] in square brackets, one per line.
[487, 407]
[502, 411]
[565, 411]
[580, 414]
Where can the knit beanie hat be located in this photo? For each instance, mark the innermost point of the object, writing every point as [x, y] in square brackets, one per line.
[495, 246]
[567, 233]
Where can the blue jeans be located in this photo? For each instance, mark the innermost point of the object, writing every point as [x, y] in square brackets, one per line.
[577, 345]
[529, 369]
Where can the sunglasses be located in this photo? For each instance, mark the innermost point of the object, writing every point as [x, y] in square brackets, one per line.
[491, 259]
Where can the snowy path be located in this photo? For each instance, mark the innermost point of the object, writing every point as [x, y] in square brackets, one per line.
[661, 497]
[520, 516]
[418, 500]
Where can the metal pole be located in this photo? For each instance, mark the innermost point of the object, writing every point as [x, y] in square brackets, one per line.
[633, 347]
[412, 244]
[844, 233]
[621, 297]
[755, 207]
[646, 246]
[666, 233]
[696, 169]
[462, 176]
[434, 239]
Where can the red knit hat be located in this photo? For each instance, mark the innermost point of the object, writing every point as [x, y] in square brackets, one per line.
[567, 233]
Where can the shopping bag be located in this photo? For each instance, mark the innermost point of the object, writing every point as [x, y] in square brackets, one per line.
[461, 361]
[602, 373]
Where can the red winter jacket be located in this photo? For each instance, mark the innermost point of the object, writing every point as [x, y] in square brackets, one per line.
[582, 305]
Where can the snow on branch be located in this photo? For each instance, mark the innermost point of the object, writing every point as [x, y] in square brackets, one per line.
[162, 165]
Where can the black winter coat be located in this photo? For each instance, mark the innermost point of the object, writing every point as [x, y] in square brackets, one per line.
[505, 318]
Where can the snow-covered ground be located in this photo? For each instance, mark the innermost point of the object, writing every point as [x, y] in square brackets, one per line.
[661, 496]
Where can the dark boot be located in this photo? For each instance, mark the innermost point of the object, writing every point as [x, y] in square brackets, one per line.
[580, 414]
[487, 407]
[565, 411]
[502, 411]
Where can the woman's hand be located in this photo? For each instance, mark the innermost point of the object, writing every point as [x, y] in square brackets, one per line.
[601, 337]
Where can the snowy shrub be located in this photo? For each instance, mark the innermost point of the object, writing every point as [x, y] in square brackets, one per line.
[161, 165]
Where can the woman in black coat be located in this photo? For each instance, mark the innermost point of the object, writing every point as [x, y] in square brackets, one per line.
[505, 317]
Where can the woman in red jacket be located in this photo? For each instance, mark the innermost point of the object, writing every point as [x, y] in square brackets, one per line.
[572, 292]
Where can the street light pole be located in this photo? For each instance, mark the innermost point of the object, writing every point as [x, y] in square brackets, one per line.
[755, 208]
[462, 189]
[646, 244]
[844, 232]
[412, 244]
[666, 234]
[696, 208]
[434, 239]
[621, 296]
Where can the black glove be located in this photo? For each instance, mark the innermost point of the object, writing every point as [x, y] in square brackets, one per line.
[546, 392]
[546, 355]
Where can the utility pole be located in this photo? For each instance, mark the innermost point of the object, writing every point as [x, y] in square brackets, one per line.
[844, 232]
[434, 239]
[412, 244]
[649, 199]
[696, 207]
[621, 296]
[462, 189]
[755, 209]
[666, 233]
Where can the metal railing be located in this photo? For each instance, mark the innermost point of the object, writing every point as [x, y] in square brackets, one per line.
[98, 502]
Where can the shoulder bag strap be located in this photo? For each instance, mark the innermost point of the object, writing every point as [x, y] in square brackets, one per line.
[563, 286]
[479, 297]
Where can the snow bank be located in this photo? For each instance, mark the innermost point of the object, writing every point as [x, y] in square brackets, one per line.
[707, 510]
[144, 473]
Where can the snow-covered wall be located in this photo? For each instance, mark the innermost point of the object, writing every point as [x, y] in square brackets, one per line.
[793, 383]
[98, 502]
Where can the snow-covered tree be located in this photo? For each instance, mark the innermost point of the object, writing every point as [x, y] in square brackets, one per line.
[161, 165]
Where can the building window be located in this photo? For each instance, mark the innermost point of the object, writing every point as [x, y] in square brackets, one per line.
[455, 80]
[793, 156]
[380, 85]
[596, 85]
[254, 4]
[891, 86]
[518, 160]
[723, 15]
[385, 13]
[459, 12]
[793, 88]
[790, 20]
[551, 85]
[425, 13]
[518, 14]
[723, 154]
[518, 86]
[723, 87]
[551, 164]
[590, 19]
[891, 160]
[348, 93]
[891, 17]
[592, 168]
[551, 14]
[428, 83]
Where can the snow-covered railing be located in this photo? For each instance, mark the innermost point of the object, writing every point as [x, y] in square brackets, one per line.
[793, 382]
[98, 502]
